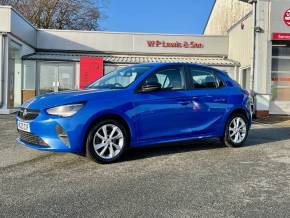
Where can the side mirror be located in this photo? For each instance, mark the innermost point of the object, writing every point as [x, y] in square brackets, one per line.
[150, 87]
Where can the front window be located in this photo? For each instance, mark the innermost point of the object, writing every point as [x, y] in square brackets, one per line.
[169, 78]
[120, 79]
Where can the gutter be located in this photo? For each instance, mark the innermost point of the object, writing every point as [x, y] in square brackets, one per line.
[2, 56]
[254, 45]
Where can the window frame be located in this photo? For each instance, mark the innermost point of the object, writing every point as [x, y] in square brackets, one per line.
[182, 73]
[214, 72]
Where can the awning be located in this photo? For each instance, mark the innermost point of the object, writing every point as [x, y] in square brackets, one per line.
[132, 59]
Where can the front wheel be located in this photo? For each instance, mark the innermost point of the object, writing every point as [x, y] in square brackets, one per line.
[236, 131]
[106, 141]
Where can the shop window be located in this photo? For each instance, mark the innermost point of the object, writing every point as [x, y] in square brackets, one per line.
[111, 68]
[29, 77]
[281, 72]
[28, 89]
[281, 50]
[56, 76]
[280, 64]
[246, 79]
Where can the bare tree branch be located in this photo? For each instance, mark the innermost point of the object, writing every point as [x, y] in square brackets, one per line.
[60, 14]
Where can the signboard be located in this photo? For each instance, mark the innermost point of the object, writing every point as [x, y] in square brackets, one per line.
[280, 16]
[281, 36]
[91, 68]
[286, 17]
[174, 44]
[180, 44]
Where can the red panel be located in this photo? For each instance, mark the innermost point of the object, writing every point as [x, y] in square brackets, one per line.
[90, 70]
[281, 36]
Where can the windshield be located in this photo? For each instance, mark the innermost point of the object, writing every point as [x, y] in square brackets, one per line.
[120, 79]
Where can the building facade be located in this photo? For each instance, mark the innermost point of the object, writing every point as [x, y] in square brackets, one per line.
[260, 42]
[249, 39]
[224, 14]
[36, 61]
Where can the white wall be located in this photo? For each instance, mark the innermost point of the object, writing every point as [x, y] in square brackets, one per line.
[5, 25]
[14, 23]
[128, 42]
[241, 42]
[224, 14]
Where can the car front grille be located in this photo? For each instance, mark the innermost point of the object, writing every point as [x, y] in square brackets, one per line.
[31, 139]
[27, 114]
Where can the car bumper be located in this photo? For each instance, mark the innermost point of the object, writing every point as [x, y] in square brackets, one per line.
[53, 133]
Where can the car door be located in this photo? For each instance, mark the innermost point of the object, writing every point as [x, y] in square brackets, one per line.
[162, 115]
[209, 101]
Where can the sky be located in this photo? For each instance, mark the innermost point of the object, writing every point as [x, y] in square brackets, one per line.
[156, 16]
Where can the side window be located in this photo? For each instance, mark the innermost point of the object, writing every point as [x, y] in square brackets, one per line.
[169, 78]
[204, 79]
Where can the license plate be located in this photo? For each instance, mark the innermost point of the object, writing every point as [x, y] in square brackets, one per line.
[23, 126]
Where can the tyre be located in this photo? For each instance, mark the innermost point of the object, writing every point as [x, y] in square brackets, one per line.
[236, 131]
[106, 141]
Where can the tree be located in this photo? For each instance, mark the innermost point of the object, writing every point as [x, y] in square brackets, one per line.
[59, 14]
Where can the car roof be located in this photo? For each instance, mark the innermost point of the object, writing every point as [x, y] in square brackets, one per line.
[155, 65]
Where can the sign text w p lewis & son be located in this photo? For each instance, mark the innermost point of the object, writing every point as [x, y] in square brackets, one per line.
[176, 44]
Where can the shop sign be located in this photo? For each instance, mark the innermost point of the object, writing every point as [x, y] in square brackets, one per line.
[286, 17]
[91, 68]
[281, 36]
[175, 44]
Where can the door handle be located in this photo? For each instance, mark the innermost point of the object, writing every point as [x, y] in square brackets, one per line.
[220, 100]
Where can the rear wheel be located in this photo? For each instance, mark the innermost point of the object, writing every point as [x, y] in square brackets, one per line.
[236, 131]
[106, 141]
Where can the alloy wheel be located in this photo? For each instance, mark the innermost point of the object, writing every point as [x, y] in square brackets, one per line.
[108, 141]
[237, 130]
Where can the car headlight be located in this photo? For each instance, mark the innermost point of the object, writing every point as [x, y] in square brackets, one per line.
[65, 110]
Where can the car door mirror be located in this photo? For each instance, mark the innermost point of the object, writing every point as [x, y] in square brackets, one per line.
[150, 87]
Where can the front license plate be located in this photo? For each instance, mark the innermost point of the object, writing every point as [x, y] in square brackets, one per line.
[23, 126]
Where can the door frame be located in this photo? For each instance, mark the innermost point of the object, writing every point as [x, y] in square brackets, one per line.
[12, 85]
[38, 63]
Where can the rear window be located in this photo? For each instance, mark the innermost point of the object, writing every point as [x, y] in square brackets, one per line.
[204, 79]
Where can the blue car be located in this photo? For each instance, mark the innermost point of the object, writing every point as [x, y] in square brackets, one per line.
[138, 106]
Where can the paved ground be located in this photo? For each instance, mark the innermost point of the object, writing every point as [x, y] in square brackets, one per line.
[202, 179]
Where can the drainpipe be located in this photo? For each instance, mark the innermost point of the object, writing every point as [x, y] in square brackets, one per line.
[254, 4]
[2, 56]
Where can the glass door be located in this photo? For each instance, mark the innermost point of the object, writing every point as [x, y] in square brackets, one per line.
[54, 77]
[48, 78]
[65, 77]
[14, 75]
[280, 102]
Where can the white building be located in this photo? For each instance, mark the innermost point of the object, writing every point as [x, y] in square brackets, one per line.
[35, 61]
[248, 39]
[260, 42]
